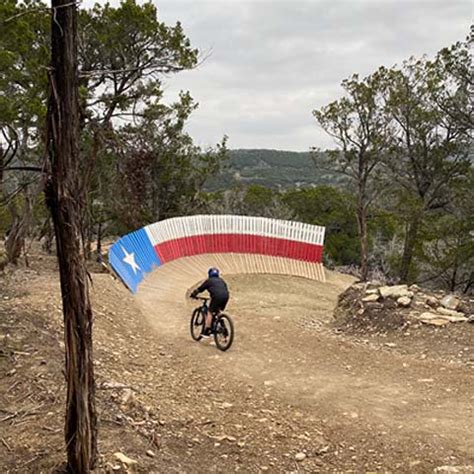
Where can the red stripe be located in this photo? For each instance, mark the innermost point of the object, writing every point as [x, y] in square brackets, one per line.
[238, 243]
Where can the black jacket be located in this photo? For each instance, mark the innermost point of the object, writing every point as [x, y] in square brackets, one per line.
[216, 287]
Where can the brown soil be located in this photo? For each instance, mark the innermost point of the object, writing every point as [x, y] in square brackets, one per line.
[292, 382]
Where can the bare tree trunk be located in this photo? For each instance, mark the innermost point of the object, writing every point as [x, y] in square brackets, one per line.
[454, 274]
[408, 248]
[16, 235]
[99, 240]
[64, 198]
[46, 236]
[363, 241]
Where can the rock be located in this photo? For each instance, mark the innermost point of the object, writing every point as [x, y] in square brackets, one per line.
[414, 288]
[373, 291]
[455, 319]
[432, 301]
[110, 385]
[450, 312]
[470, 319]
[323, 450]
[300, 457]
[404, 301]
[455, 469]
[395, 291]
[227, 405]
[390, 344]
[150, 453]
[125, 459]
[370, 298]
[438, 318]
[450, 302]
[435, 322]
[433, 319]
[127, 396]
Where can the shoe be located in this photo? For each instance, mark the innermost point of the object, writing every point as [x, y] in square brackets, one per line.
[206, 334]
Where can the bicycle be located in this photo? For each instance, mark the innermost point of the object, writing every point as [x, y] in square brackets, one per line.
[222, 327]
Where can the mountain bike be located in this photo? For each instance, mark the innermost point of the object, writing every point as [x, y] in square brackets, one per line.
[222, 327]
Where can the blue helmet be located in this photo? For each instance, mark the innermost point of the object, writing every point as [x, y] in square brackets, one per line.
[213, 272]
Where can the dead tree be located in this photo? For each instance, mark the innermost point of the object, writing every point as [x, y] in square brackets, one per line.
[65, 200]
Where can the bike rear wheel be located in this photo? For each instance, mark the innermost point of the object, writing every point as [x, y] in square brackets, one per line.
[224, 332]
[197, 324]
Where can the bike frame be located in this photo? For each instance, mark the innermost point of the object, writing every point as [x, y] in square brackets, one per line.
[205, 308]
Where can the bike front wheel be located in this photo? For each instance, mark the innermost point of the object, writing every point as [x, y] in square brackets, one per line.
[224, 332]
[197, 324]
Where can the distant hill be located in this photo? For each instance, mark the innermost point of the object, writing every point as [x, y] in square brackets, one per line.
[274, 169]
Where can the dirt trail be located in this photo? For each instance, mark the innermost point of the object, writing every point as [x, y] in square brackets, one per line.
[363, 393]
[292, 394]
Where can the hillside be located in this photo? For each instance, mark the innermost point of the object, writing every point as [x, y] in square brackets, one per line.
[274, 169]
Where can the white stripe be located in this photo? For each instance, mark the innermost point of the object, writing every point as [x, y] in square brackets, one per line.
[189, 226]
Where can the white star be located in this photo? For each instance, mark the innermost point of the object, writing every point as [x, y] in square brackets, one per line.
[130, 259]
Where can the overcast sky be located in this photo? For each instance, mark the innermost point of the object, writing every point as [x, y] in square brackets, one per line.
[272, 62]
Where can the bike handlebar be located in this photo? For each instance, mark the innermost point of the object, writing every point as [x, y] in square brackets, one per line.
[200, 298]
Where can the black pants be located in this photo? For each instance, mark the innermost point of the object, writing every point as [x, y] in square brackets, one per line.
[218, 303]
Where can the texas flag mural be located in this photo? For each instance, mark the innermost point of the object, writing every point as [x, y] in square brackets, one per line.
[132, 257]
[138, 253]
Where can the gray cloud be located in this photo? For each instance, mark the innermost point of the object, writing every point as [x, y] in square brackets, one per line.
[273, 62]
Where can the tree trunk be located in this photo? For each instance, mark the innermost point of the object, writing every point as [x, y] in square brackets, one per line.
[454, 274]
[408, 248]
[16, 235]
[99, 241]
[64, 198]
[363, 241]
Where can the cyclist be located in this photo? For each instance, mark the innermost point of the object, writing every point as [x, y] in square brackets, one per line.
[219, 292]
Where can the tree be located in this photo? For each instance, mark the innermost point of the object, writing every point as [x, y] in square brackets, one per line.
[123, 54]
[430, 141]
[447, 253]
[23, 84]
[334, 209]
[160, 172]
[359, 126]
[65, 199]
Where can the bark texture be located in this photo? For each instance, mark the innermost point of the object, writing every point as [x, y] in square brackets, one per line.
[65, 200]
[408, 248]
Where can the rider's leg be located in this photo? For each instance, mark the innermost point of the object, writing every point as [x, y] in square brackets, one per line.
[214, 308]
[208, 320]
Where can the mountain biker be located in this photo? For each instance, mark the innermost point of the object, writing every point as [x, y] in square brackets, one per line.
[219, 292]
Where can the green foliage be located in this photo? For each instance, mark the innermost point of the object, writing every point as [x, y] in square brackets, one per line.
[446, 250]
[405, 138]
[359, 125]
[124, 52]
[334, 209]
[23, 57]
[161, 172]
[427, 103]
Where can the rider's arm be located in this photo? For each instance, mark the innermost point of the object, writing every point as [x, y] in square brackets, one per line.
[200, 289]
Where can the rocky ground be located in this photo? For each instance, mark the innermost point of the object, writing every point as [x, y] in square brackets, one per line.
[417, 321]
[299, 391]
